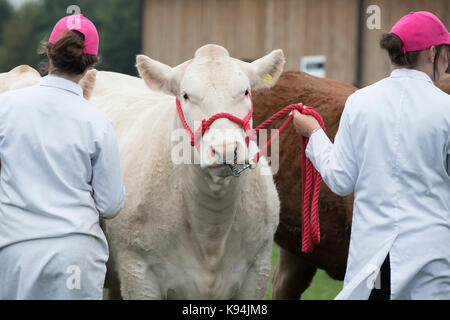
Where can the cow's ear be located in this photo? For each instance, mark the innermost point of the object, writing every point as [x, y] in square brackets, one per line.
[159, 76]
[88, 83]
[264, 72]
[156, 75]
[177, 76]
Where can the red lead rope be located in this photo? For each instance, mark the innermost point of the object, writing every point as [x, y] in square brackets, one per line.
[311, 178]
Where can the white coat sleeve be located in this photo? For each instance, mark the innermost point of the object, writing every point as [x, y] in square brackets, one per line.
[336, 163]
[107, 184]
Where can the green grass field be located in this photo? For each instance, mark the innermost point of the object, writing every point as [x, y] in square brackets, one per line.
[322, 287]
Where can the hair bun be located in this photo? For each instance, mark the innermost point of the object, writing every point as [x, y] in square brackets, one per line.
[394, 46]
[67, 53]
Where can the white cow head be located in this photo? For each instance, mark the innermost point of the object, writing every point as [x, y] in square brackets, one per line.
[213, 82]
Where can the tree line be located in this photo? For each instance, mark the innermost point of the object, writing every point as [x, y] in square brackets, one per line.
[118, 23]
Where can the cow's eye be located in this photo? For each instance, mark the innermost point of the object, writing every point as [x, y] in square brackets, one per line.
[185, 96]
[247, 92]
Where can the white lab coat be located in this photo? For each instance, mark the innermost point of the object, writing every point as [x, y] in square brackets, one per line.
[60, 171]
[392, 150]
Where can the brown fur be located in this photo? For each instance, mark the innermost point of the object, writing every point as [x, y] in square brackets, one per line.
[328, 97]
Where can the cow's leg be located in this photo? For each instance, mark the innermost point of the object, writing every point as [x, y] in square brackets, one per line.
[255, 284]
[292, 276]
[137, 281]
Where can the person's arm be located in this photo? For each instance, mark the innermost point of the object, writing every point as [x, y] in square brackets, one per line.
[107, 184]
[335, 162]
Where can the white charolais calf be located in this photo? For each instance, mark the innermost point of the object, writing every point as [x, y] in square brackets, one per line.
[189, 231]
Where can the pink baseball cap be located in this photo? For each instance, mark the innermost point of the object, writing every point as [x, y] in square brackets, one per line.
[81, 24]
[420, 30]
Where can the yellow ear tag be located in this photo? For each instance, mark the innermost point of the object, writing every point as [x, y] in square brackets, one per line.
[268, 79]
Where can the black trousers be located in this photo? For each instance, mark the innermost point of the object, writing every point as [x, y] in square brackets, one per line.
[384, 293]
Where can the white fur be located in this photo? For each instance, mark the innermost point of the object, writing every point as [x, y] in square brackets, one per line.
[25, 76]
[19, 77]
[186, 233]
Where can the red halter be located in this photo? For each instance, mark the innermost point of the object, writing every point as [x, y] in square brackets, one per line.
[206, 124]
[311, 179]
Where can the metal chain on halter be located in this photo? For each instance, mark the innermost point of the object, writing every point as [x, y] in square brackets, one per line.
[311, 178]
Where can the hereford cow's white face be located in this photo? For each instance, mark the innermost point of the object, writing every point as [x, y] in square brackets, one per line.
[213, 82]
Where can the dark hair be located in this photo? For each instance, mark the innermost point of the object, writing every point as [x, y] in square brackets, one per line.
[437, 56]
[394, 46]
[67, 54]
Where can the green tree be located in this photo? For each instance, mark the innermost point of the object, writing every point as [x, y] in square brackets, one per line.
[6, 11]
[20, 39]
[118, 23]
[119, 34]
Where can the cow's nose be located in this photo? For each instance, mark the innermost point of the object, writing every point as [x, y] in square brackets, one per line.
[225, 152]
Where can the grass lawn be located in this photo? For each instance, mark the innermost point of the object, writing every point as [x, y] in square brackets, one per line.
[322, 287]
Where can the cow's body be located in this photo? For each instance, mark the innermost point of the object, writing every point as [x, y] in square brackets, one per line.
[25, 76]
[19, 77]
[182, 233]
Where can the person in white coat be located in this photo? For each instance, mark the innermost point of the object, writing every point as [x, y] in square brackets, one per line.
[392, 150]
[60, 172]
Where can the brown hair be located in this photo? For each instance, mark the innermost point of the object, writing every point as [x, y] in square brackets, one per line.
[67, 54]
[394, 45]
[439, 50]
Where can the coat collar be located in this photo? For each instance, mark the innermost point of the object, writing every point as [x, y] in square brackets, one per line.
[410, 73]
[61, 83]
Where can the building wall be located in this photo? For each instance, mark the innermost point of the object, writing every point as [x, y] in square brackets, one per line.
[376, 63]
[249, 29]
